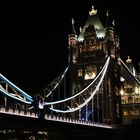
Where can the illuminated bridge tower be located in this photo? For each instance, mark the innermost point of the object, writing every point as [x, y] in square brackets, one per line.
[87, 55]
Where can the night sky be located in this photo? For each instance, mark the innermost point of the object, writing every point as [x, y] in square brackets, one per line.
[33, 45]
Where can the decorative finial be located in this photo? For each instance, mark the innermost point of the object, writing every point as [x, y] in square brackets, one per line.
[128, 60]
[72, 20]
[93, 11]
[107, 13]
[113, 22]
[80, 29]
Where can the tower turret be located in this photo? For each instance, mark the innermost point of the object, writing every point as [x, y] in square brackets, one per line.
[117, 47]
[109, 29]
[72, 45]
[109, 37]
[109, 32]
[130, 64]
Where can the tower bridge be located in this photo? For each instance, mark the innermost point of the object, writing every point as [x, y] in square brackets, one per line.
[97, 89]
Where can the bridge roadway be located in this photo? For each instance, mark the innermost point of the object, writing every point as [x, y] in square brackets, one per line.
[54, 126]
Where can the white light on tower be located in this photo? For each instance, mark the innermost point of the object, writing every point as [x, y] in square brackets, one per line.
[136, 90]
[121, 92]
[122, 79]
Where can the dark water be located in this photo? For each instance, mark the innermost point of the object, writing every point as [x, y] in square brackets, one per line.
[127, 132]
[55, 136]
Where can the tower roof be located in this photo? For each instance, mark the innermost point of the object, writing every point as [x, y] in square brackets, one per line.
[94, 20]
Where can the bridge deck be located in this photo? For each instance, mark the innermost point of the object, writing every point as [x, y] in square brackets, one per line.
[10, 116]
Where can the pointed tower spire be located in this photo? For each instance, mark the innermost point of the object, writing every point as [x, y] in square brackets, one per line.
[93, 19]
[80, 29]
[107, 13]
[109, 29]
[73, 31]
[109, 21]
[72, 41]
[107, 18]
[113, 22]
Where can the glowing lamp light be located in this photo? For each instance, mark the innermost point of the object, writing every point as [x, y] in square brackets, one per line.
[122, 79]
[121, 92]
[90, 76]
[136, 90]
[41, 104]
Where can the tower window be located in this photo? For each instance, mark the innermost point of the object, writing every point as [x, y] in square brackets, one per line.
[130, 100]
[80, 72]
[90, 72]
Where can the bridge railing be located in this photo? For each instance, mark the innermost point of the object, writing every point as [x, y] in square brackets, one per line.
[7, 110]
[13, 111]
[75, 121]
